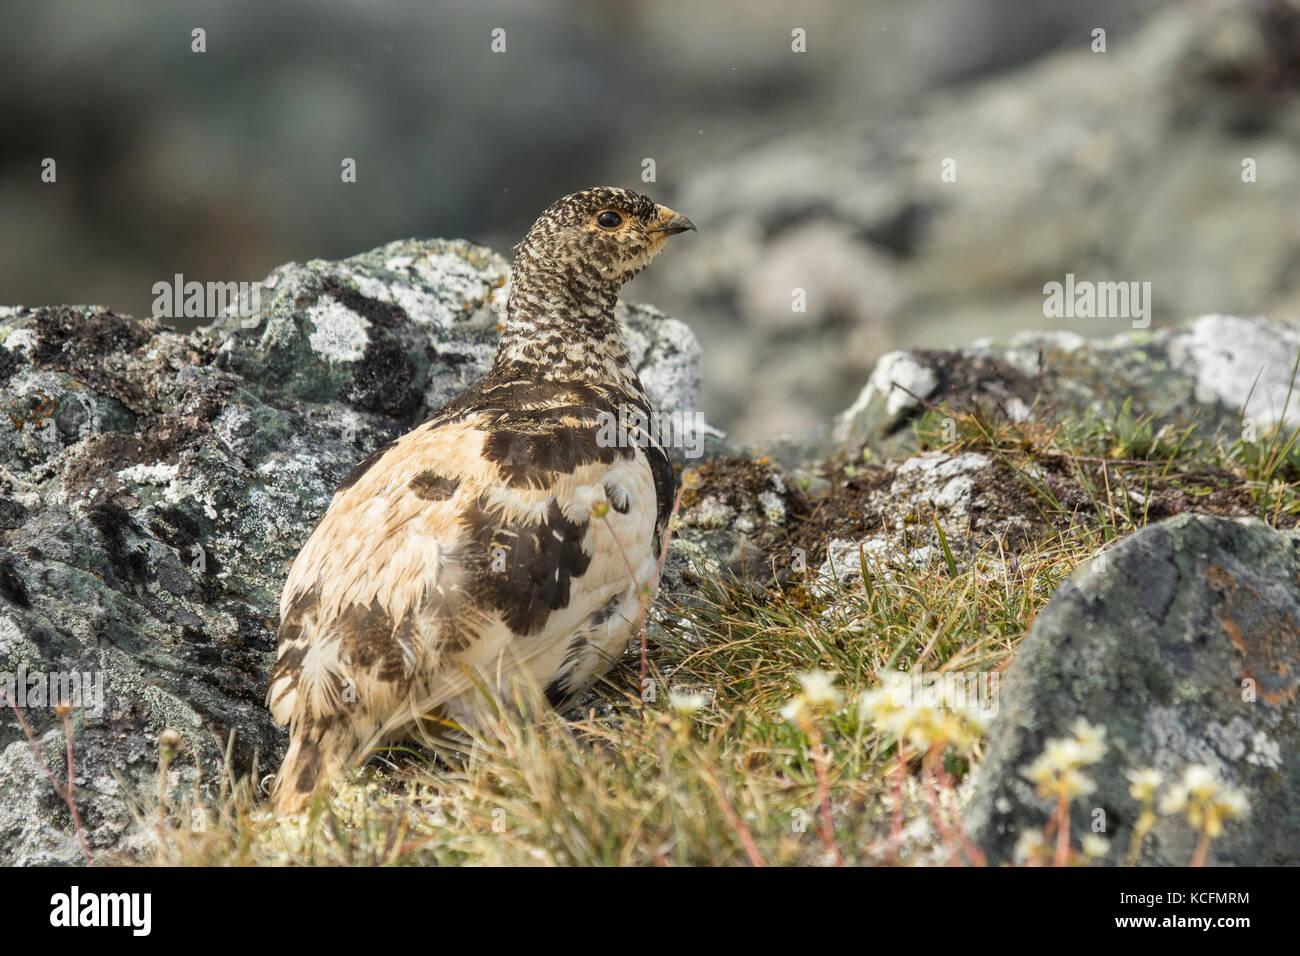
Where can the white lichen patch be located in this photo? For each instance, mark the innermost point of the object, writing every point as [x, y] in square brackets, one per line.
[1017, 409]
[232, 426]
[281, 511]
[1023, 352]
[372, 288]
[159, 474]
[942, 480]
[458, 285]
[471, 362]
[180, 491]
[699, 558]
[712, 512]
[635, 340]
[1241, 362]
[11, 635]
[1238, 739]
[667, 357]
[884, 558]
[340, 334]
[421, 306]
[1264, 751]
[20, 340]
[913, 379]
[773, 506]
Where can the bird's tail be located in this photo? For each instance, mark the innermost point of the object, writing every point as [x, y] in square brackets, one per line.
[313, 761]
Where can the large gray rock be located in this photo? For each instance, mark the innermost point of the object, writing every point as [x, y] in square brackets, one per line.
[1158, 643]
[155, 487]
[1218, 371]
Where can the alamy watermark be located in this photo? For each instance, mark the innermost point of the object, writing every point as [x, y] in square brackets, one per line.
[207, 300]
[83, 690]
[633, 427]
[74, 908]
[1101, 300]
[971, 691]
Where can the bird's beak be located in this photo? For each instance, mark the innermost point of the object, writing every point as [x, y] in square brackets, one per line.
[670, 223]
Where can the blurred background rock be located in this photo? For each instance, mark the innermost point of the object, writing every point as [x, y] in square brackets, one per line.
[818, 170]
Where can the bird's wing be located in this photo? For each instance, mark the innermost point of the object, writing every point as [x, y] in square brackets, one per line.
[346, 609]
[461, 542]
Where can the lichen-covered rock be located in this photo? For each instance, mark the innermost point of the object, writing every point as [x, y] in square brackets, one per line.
[733, 510]
[1221, 372]
[154, 488]
[902, 515]
[1183, 641]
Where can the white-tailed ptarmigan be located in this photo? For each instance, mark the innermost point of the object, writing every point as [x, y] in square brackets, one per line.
[494, 541]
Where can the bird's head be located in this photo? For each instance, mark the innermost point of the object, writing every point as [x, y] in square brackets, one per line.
[605, 234]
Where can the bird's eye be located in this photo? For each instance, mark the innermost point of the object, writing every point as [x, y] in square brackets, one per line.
[608, 220]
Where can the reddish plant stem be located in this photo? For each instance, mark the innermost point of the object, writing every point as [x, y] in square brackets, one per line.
[930, 787]
[1202, 849]
[65, 793]
[896, 819]
[974, 855]
[72, 803]
[1062, 831]
[820, 759]
[733, 819]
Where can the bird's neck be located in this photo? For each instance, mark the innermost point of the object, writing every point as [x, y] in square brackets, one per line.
[560, 326]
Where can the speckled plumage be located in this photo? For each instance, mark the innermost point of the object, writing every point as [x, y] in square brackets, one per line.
[465, 554]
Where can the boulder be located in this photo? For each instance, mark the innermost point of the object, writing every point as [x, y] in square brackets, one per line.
[1183, 641]
[1221, 372]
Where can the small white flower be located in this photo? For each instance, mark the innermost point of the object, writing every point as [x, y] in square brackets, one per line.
[1062, 753]
[1234, 803]
[1076, 784]
[1174, 800]
[1145, 783]
[818, 696]
[687, 705]
[1201, 782]
[819, 690]
[1094, 846]
[1091, 740]
[1057, 769]
[1029, 846]
[1207, 801]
